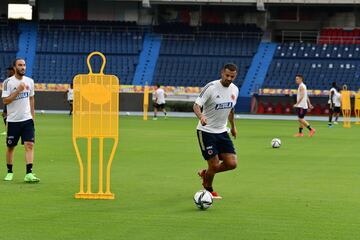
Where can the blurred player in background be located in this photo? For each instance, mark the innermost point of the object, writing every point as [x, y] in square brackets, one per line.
[69, 96]
[214, 107]
[159, 101]
[334, 104]
[302, 105]
[18, 94]
[9, 72]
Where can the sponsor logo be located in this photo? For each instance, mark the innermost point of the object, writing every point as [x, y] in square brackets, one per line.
[218, 96]
[223, 105]
[209, 147]
[22, 95]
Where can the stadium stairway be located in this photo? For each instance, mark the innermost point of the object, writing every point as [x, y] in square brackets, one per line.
[255, 77]
[27, 44]
[147, 61]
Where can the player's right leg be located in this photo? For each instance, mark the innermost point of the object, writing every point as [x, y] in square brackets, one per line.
[207, 143]
[331, 113]
[301, 128]
[155, 111]
[9, 163]
[12, 138]
[71, 107]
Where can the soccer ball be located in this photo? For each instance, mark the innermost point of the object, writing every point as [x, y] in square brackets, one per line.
[275, 143]
[42, 111]
[203, 199]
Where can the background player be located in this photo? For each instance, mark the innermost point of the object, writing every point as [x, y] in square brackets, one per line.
[213, 107]
[69, 96]
[18, 95]
[9, 72]
[301, 106]
[334, 104]
[159, 101]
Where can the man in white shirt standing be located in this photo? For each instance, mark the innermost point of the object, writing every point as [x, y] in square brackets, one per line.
[159, 101]
[69, 95]
[334, 104]
[301, 106]
[18, 94]
[214, 107]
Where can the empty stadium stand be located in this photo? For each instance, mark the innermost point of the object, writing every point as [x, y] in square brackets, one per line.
[62, 47]
[195, 59]
[9, 45]
[339, 36]
[320, 65]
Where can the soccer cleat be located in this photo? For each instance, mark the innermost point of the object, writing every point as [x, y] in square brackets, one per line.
[312, 132]
[201, 174]
[9, 177]
[30, 178]
[299, 135]
[330, 125]
[215, 195]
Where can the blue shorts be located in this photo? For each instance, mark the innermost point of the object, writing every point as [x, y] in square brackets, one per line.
[212, 144]
[15, 130]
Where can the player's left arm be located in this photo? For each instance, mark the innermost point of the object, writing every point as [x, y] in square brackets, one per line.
[32, 107]
[309, 103]
[231, 119]
[32, 100]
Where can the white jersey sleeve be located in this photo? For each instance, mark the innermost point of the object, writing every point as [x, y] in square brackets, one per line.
[204, 95]
[6, 89]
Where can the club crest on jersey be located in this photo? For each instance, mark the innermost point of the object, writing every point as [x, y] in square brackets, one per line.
[233, 97]
[223, 105]
[27, 87]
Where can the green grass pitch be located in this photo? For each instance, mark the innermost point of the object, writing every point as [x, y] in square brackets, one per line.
[307, 189]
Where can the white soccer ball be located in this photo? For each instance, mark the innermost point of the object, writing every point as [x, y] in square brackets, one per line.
[42, 111]
[203, 199]
[127, 113]
[275, 143]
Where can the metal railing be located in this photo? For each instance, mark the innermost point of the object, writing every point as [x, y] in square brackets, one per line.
[338, 39]
[194, 36]
[91, 28]
[299, 36]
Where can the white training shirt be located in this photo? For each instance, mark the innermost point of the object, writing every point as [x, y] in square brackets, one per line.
[336, 97]
[160, 95]
[217, 102]
[304, 102]
[70, 94]
[19, 109]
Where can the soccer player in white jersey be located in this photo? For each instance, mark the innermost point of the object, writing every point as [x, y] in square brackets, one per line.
[69, 96]
[9, 72]
[302, 105]
[214, 107]
[18, 95]
[159, 101]
[334, 104]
